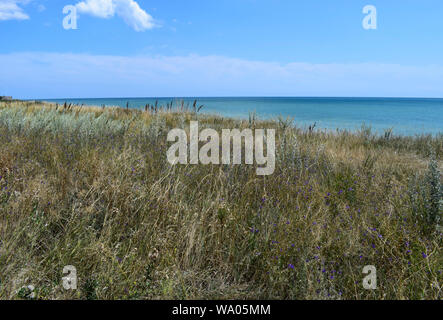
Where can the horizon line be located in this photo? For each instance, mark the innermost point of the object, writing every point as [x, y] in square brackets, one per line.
[241, 97]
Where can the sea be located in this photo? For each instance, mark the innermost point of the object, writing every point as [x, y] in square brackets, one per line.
[405, 116]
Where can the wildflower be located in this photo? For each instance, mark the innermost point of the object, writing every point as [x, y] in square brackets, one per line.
[253, 230]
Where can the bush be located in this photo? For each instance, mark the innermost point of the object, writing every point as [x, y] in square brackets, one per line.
[426, 194]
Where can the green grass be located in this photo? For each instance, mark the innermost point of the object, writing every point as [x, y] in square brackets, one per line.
[91, 187]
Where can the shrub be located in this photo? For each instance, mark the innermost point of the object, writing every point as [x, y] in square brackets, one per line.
[426, 194]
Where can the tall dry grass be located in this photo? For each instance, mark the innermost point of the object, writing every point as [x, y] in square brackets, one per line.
[91, 187]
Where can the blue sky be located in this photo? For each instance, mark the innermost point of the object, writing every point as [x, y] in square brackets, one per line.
[136, 48]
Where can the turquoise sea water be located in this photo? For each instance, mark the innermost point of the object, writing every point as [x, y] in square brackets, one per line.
[405, 115]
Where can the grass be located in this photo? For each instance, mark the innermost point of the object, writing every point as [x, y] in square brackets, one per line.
[91, 187]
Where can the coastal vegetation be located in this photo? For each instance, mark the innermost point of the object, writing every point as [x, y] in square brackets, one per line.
[91, 187]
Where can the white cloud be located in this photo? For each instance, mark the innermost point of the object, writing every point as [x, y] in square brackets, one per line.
[48, 75]
[10, 10]
[128, 10]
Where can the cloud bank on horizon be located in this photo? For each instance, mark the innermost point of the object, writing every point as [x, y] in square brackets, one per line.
[59, 75]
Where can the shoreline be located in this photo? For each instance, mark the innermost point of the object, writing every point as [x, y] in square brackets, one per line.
[324, 112]
[304, 125]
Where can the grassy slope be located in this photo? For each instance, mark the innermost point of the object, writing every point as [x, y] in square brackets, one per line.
[91, 187]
